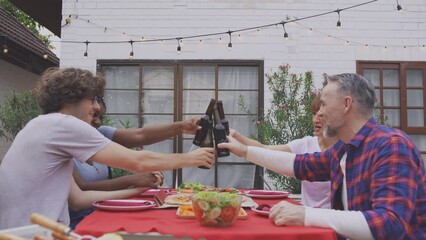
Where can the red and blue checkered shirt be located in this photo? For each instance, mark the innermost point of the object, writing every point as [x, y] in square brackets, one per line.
[385, 179]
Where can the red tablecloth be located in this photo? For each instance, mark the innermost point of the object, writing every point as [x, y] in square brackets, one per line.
[165, 221]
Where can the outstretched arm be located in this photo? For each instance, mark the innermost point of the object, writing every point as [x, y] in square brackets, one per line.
[115, 155]
[251, 142]
[133, 137]
[277, 161]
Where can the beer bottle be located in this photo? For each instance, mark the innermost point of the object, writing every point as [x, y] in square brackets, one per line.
[224, 121]
[206, 124]
[219, 135]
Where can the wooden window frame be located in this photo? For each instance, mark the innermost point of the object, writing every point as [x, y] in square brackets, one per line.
[402, 67]
[178, 90]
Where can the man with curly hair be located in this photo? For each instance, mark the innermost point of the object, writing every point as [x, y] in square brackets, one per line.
[36, 172]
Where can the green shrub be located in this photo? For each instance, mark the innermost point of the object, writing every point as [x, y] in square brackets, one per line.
[17, 110]
[289, 116]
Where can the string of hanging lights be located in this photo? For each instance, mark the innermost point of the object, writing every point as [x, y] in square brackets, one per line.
[204, 37]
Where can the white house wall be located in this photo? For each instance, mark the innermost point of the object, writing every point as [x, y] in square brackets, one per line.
[377, 23]
[16, 79]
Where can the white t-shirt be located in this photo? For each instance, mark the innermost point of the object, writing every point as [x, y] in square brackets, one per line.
[35, 174]
[314, 194]
[96, 171]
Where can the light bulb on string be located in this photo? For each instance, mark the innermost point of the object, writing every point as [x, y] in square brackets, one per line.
[179, 48]
[338, 24]
[285, 32]
[230, 40]
[87, 48]
[131, 52]
[5, 48]
[45, 54]
[398, 6]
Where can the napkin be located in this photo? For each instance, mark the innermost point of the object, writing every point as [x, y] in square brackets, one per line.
[124, 203]
[160, 196]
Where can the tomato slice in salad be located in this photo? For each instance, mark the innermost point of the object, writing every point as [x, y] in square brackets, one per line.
[228, 213]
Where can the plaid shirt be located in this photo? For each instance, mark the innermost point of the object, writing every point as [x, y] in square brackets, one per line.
[385, 179]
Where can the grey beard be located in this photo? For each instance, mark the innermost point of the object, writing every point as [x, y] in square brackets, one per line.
[329, 132]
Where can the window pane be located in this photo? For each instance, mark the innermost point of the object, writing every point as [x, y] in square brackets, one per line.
[122, 101]
[231, 101]
[414, 78]
[157, 101]
[126, 77]
[198, 77]
[196, 102]
[238, 78]
[198, 175]
[165, 146]
[391, 98]
[236, 176]
[168, 179]
[415, 118]
[158, 77]
[127, 120]
[393, 117]
[391, 78]
[156, 119]
[415, 98]
[420, 141]
[245, 124]
[373, 75]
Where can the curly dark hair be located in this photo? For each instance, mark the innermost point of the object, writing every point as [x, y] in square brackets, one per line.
[58, 87]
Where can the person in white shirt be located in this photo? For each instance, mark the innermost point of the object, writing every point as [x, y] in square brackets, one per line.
[314, 194]
[36, 172]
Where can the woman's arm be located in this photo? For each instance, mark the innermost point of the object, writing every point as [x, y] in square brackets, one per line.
[251, 142]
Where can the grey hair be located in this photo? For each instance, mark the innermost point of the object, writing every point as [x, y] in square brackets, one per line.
[358, 87]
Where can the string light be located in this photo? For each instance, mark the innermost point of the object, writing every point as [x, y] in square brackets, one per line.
[131, 52]
[255, 28]
[230, 40]
[339, 24]
[87, 47]
[398, 6]
[285, 32]
[5, 48]
[179, 48]
[45, 54]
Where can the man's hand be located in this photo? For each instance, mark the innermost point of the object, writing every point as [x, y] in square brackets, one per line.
[160, 178]
[287, 214]
[190, 126]
[201, 157]
[235, 147]
[150, 180]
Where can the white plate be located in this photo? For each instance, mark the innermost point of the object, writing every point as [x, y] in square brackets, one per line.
[266, 194]
[260, 212]
[124, 205]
